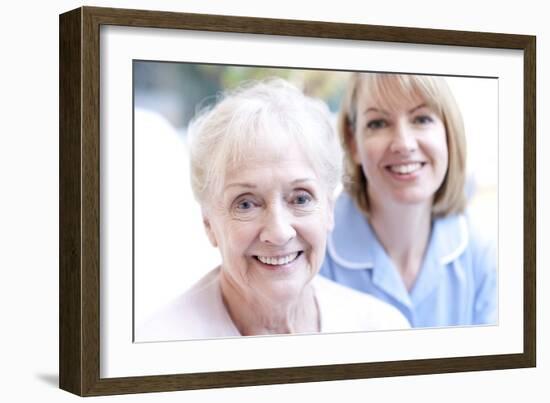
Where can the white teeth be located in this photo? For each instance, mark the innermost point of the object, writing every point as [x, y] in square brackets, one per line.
[278, 261]
[406, 168]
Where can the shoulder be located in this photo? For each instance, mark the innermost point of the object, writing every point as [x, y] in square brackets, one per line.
[344, 309]
[480, 237]
[460, 242]
[463, 229]
[457, 237]
[197, 313]
[475, 242]
[482, 250]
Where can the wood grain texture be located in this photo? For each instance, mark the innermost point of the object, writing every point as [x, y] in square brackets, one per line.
[530, 201]
[316, 29]
[70, 251]
[90, 202]
[80, 200]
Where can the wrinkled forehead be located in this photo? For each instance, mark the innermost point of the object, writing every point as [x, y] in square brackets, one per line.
[274, 146]
[395, 91]
[272, 160]
[262, 150]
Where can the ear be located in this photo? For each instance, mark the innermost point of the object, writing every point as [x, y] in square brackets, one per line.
[209, 231]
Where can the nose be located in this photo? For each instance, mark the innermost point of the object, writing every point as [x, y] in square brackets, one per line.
[278, 227]
[403, 139]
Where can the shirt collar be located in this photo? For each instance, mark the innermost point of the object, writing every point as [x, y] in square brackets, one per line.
[353, 244]
[350, 242]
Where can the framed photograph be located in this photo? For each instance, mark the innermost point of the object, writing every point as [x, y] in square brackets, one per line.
[166, 263]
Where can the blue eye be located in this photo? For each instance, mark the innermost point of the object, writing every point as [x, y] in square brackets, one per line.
[245, 205]
[302, 199]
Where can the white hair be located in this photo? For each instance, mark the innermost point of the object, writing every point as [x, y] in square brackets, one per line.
[271, 113]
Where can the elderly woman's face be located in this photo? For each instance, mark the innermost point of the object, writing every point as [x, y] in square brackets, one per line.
[270, 224]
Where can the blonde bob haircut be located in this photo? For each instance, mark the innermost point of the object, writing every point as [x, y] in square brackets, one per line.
[387, 89]
[258, 120]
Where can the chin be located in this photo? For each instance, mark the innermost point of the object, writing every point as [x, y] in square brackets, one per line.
[413, 197]
[413, 202]
[282, 292]
[287, 289]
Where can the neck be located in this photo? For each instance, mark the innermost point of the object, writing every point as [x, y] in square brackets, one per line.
[256, 314]
[404, 232]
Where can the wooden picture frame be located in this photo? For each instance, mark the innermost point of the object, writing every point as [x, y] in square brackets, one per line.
[80, 323]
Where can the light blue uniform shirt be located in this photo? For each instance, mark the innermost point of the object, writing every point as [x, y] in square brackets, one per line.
[456, 284]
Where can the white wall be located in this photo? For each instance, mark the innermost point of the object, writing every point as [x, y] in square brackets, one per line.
[29, 199]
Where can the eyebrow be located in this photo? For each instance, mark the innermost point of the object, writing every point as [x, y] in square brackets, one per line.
[241, 185]
[422, 105]
[373, 109]
[252, 186]
[302, 180]
[384, 112]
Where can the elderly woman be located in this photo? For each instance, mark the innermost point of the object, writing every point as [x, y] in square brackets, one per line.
[264, 166]
[400, 229]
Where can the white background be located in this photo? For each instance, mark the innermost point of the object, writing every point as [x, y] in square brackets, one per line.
[29, 200]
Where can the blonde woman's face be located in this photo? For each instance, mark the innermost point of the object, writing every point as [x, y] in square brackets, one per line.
[402, 149]
[270, 224]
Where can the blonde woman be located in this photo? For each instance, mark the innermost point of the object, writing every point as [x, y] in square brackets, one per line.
[401, 232]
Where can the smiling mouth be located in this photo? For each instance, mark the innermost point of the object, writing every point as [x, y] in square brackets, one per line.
[279, 260]
[405, 169]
